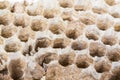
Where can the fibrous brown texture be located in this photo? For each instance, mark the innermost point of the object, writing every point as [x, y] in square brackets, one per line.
[59, 40]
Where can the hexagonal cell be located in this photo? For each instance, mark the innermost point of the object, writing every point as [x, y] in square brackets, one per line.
[104, 22]
[51, 9]
[60, 43]
[92, 34]
[42, 42]
[109, 39]
[75, 29]
[87, 18]
[15, 68]
[82, 5]
[5, 17]
[114, 11]
[56, 27]
[97, 49]
[100, 8]
[83, 61]
[12, 46]
[46, 58]
[37, 73]
[38, 23]
[21, 20]
[35, 9]
[67, 14]
[23, 35]
[110, 2]
[113, 54]
[8, 31]
[50, 13]
[79, 45]
[115, 14]
[102, 65]
[54, 72]
[72, 34]
[66, 59]
[66, 3]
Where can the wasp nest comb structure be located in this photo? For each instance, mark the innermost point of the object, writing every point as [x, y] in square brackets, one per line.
[59, 40]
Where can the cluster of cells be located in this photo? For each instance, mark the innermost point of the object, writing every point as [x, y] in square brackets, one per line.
[60, 40]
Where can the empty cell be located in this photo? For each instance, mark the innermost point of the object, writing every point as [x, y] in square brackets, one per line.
[114, 11]
[99, 10]
[82, 5]
[104, 22]
[109, 39]
[51, 9]
[66, 59]
[66, 3]
[72, 34]
[12, 46]
[74, 30]
[42, 43]
[54, 72]
[60, 43]
[56, 27]
[23, 35]
[79, 45]
[110, 2]
[15, 68]
[21, 20]
[92, 34]
[83, 61]
[67, 14]
[46, 58]
[87, 18]
[38, 24]
[5, 17]
[35, 9]
[102, 66]
[50, 13]
[97, 49]
[115, 14]
[8, 31]
[37, 73]
[100, 7]
[113, 54]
